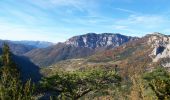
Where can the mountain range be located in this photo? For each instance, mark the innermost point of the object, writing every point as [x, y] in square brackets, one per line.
[21, 47]
[92, 50]
[77, 47]
[36, 44]
[143, 53]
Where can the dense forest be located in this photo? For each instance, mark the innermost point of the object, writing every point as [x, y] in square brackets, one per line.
[93, 83]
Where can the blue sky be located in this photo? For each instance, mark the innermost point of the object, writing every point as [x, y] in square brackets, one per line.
[58, 20]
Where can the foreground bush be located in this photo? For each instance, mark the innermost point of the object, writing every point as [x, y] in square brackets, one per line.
[159, 82]
[74, 85]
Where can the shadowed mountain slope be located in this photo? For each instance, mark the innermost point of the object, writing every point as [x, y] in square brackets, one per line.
[27, 68]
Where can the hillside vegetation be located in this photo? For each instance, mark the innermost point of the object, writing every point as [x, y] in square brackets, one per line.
[127, 72]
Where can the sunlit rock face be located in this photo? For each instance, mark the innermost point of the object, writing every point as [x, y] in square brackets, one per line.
[161, 46]
[93, 40]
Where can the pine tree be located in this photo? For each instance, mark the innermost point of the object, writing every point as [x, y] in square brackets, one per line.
[9, 75]
[11, 87]
[8, 63]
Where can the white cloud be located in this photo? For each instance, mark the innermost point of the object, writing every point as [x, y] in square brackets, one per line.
[144, 21]
[82, 5]
[126, 10]
[139, 25]
[120, 27]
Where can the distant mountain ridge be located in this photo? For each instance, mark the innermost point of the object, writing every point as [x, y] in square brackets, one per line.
[37, 44]
[22, 47]
[77, 47]
[17, 49]
[93, 40]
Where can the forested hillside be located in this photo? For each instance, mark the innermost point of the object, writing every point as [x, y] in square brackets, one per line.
[102, 82]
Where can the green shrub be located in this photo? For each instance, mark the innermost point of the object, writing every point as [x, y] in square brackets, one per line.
[75, 85]
[159, 82]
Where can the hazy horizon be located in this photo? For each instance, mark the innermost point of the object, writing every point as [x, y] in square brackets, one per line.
[71, 37]
[57, 20]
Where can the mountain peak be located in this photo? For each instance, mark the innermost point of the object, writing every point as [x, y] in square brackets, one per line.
[93, 40]
[91, 34]
[156, 34]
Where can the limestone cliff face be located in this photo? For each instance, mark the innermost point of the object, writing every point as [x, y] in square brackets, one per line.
[93, 40]
[161, 46]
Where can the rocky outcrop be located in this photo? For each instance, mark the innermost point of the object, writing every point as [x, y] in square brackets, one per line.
[93, 40]
[161, 46]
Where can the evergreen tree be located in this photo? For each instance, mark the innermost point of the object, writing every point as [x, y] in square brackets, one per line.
[8, 62]
[11, 87]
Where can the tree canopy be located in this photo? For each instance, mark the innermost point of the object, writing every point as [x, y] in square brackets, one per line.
[159, 81]
[74, 85]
